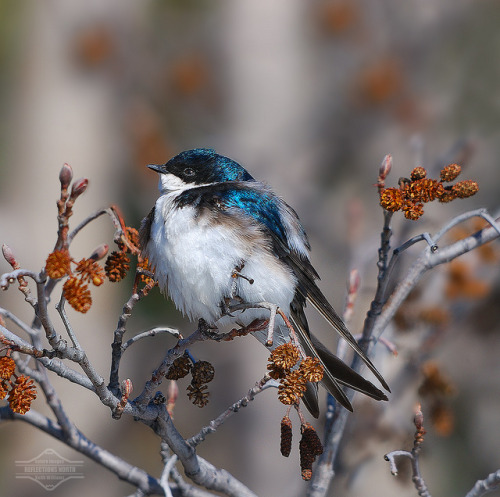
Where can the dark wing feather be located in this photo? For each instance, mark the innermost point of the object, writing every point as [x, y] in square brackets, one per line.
[307, 289]
[336, 372]
[344, 374]
[310, 399]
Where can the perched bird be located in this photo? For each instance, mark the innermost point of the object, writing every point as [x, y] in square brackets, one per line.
[217, 236]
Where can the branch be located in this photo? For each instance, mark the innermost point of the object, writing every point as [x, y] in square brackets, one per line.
[414, 455]
[18, 322]
[121, 468]
[116, 346]
[337, 417]
[157, 377]
[490, 483]
[429, 260]
[150, 333]
[198, 469]
[376, 321]
[212, 427]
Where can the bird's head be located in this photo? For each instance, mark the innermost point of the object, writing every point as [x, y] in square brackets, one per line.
[200, 166]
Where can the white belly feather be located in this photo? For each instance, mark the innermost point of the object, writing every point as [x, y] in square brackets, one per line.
[195, 258]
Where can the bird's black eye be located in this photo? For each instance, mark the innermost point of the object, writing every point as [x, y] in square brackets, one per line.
[189, 172]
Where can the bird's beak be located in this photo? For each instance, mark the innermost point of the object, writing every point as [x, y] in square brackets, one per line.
[158, 168]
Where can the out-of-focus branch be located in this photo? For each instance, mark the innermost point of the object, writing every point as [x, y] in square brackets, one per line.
[481, 487]
[418, 440]
[490, 483]
[380, 315]
[427, 261]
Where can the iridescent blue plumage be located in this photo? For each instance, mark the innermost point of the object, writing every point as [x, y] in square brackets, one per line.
[261, 205]
[251, 197]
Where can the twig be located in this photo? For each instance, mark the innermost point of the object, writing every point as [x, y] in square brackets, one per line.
[158, 374]
[427, 261]
[418, 238]
[212, 427]
[414, 455]
[483, 213]
[64, 317]
[165, 474]
[116, 346]
[18, 322]
[116, 218]
[8, 279]
[23, 285]
[481, 487]
[150, 333]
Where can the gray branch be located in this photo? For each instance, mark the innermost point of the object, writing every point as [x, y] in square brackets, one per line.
[378, 317]
[490, 483]
[125, 471]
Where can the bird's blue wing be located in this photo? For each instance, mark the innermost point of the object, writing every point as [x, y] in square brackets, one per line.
[252, 199]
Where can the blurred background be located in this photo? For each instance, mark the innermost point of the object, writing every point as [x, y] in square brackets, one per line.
[309, 96]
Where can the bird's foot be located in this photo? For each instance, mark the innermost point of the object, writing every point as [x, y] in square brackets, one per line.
[227, 305]
[207, 330]
[255, 325]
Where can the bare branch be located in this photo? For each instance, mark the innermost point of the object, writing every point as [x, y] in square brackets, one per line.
[427, 261]
[18, 322]
[259, 387]
[116, 346]
[150, 333]
[198, 469]
[125, 471]
[414, 455]
[490, 483]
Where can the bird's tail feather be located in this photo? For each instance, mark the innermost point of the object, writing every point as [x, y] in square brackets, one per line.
[344, 374]
[319, 301]
[336, 374]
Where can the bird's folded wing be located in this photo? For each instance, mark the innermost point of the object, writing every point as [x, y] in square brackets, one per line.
[307, 289]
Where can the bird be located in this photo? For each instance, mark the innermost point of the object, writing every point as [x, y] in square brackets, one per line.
[217, 236]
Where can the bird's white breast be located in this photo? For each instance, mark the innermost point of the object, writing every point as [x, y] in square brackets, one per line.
[195, 257]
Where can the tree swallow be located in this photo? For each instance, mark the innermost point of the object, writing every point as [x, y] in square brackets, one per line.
[216, 235]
